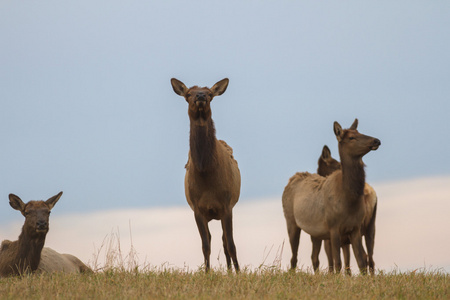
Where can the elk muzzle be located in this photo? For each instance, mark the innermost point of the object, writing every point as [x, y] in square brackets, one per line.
[200, 100]
[41, 226]
[375, 144]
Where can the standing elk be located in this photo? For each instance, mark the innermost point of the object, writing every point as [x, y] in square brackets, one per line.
[326, 166]
[28, 254]
[331, 207]
[213, 181]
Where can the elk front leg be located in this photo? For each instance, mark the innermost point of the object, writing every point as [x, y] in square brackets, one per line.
[202, 225]
[335, 240]
[227, 227]
[225, 249]
[356, 240]
[370, 241]
[329, 252]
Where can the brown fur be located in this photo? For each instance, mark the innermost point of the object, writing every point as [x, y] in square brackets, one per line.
[212, 182]
[28, 254]
[326, 166]
[331, 207]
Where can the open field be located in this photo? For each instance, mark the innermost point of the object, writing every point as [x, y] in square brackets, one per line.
[118, 274]
[265, 283]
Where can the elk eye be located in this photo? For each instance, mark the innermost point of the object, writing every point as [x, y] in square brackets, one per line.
[188, 95]
[352, 138]
[210, 95]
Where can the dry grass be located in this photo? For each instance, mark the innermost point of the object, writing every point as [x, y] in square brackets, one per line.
[265, 283]
[121, 277]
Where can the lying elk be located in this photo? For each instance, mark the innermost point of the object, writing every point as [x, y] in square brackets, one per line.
[331, 207]
[28, 254]
[212, 182]
[327, 165]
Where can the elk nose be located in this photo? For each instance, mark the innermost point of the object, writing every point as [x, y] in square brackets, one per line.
[376, 142]
[41, 224]
[200, 97]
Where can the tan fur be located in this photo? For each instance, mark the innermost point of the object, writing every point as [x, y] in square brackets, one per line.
[331, 207]
[28, 254]
[212, 182]
[326, 166]
[52, 261]
[370, 200]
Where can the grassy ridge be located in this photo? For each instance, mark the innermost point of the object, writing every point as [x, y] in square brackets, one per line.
[269, 283]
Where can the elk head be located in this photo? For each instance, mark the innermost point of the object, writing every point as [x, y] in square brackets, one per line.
[199, 98]
[36, 213]
[327, 164]
[353, 143]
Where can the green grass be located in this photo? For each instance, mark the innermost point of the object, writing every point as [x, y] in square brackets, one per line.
[269, 283]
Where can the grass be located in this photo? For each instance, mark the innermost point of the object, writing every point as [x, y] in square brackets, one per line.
[121, 277]
[261, 284]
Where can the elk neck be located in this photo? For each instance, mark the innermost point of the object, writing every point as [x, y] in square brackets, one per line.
[353, 177]
[29, 250]
[202, 142]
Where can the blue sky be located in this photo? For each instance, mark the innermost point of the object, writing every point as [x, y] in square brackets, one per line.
[87, 106]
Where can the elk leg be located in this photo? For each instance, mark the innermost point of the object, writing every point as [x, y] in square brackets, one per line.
[227, 227]
[335, 239]
[370, 245]
[358, 250]
[202, 225]
[294, 239]
[346, 251]
[370, 241]
[225, 249]
[329, 252]
[316, 244]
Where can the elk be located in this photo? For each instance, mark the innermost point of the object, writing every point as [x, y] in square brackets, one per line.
[212, 182]
[328, 208]
[327, 165]
[27, 254]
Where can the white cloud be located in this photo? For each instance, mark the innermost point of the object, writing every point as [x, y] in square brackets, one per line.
[413, 231]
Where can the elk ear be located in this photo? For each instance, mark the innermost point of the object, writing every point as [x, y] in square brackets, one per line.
[52, 200]
[326, 153]
[178, 87]
[354, 125]
[16, 203]
[220, 87]
[338, 131]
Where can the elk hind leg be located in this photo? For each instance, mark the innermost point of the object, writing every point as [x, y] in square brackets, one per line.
[294, 239]
[316, 244]
[370, 246]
